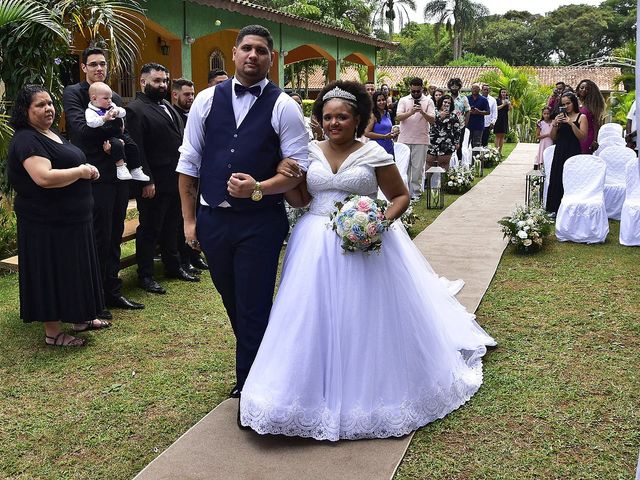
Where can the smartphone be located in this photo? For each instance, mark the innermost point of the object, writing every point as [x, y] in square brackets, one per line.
[562, 110]
[416, 102]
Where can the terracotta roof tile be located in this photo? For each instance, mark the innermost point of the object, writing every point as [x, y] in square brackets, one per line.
[440, 75]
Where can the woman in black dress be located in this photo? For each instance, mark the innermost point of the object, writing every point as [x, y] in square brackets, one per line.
[501, 127]
[567, 129]
[58, 269]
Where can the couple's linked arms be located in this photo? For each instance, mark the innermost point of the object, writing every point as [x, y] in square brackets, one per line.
[240, 185]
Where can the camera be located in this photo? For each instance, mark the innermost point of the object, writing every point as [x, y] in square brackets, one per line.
[563, 110]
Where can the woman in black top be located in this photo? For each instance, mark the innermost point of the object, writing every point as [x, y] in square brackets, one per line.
[58, 267]
[568, 128]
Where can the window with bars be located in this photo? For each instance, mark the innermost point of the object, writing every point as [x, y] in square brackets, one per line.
[216, 60]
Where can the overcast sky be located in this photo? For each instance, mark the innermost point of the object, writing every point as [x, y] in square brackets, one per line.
[501, 6]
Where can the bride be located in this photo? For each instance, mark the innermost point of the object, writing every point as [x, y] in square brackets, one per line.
[358, 345]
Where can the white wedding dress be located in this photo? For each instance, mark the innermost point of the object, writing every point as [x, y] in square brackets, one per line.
[359, 345]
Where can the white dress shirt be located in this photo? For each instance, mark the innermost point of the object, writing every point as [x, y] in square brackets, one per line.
[286, 120]
[493, 111]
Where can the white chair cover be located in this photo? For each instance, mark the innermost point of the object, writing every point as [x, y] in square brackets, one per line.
[630, 217]
[454, 162]
[609, 142]
[402, 156]
[467, 154]
[609, 130]
[616, 159]
[582, 217]
[547, 160]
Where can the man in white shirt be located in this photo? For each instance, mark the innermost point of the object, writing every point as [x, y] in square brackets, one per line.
[489, 120]
[238, 131]
[416, 112]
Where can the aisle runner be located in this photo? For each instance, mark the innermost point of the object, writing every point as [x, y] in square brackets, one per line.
[464, 242]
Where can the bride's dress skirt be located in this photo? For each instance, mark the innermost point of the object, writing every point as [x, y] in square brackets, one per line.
[360, 345]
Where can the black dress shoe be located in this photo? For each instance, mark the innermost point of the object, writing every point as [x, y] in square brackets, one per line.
[104, 315]
[151, 286]
[123, 302]
[235, 392]
[200, 263]
[180, 274]
[190, 269]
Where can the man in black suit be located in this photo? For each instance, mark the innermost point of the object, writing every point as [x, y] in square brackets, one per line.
[110, 195]
[157, 129]
[182, 95]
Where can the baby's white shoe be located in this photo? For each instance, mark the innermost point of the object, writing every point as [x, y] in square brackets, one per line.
[138, 174]
[122, 173]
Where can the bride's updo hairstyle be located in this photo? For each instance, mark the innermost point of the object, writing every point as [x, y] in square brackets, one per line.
[351, 93]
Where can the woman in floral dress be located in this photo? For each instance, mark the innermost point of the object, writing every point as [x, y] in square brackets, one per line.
[445, 134]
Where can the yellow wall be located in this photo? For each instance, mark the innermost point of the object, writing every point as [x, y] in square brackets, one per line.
[201, 51]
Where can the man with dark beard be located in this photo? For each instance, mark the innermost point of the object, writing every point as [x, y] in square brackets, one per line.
[182, 95]
[157, 129]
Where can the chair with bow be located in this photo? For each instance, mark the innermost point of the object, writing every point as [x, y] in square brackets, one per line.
[630, 215]
[582, 217]
[616, 159]
[547, 161]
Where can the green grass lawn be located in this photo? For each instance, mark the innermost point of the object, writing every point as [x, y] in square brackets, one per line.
[560, 399]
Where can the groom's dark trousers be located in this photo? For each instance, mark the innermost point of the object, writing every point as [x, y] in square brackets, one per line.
[242, 250]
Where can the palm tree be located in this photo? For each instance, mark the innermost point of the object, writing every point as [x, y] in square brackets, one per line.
[458, 17]
[21, 14]
[526, 94]
[388, 10]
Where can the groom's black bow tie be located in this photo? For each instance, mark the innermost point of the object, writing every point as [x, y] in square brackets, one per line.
[241, 89]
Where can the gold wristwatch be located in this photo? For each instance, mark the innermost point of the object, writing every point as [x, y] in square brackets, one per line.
[256, 195]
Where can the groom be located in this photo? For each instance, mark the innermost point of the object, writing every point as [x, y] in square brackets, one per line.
[238, 132]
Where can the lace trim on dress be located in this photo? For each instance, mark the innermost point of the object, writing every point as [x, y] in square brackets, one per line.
[384, 421]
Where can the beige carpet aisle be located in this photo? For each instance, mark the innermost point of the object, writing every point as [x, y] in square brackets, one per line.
[464, 242]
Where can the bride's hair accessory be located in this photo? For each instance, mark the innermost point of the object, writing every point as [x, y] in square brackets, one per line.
[337, 92]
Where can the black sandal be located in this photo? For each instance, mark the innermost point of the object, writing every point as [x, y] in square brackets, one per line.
[70, 341]
[90, 325]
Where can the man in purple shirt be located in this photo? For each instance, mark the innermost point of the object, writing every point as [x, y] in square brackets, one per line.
[479, 108]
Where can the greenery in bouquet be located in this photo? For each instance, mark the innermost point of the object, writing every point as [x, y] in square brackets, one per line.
[409, 217]
[490, 157]
[458, 179]
[527, 227]
[359, 222]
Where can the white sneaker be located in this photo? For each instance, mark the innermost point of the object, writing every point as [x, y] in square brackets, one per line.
[138, 174]
[122, 173]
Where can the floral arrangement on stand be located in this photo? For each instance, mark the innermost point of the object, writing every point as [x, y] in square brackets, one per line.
[490, 157]
[458, 179]
[409, 218]
[359, 222]
[527, 227]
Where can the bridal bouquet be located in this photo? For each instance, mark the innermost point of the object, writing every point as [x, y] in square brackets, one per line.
[527, 227]
[359, 222]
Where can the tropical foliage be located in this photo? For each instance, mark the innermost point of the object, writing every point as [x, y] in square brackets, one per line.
[526, 93]
[459, 17]
[388, 11]
[620, 105]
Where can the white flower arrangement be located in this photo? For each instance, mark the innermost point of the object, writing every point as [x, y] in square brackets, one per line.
[527, 227]
[490, 157]
[409, 218]
[458, 179]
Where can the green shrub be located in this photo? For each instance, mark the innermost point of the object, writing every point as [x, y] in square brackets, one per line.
[307, 107]
[8, 231]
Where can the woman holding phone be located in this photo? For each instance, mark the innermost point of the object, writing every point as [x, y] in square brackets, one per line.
[501, 127]
[568, 128]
